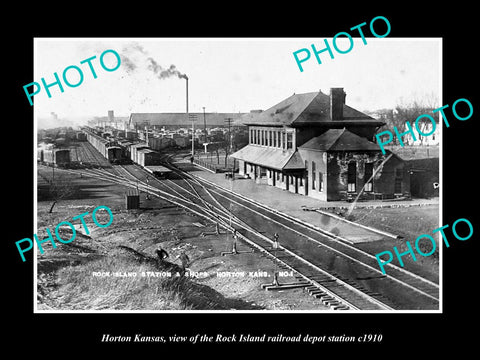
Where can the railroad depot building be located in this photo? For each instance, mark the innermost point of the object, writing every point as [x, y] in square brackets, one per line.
[316, 145]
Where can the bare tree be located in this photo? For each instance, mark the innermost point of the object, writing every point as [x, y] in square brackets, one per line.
[410, 110]
[60, 188]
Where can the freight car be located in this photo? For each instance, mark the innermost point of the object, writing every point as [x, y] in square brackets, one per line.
[55, 157]
[123, 151]
[114, 154]
[160, 172]
[160, 143]
[146, 157]
[134, 150]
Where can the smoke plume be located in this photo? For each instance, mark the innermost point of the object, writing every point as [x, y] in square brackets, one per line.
[130, 61]
[164, 73]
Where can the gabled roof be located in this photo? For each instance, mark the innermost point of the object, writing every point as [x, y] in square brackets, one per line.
[298, 109]
[273, 158]
[339, 140]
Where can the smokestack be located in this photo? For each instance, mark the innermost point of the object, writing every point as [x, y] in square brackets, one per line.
[337, 100]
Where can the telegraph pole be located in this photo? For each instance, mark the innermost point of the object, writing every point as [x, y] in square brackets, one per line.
[193, 117]
[228, 121]
[204, 125]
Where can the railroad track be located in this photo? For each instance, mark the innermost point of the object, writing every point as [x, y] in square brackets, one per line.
[330, 242]
[333, 290]
[418, 286]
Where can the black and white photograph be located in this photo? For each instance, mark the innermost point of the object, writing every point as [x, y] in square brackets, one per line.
[208, 175]
[185, 179]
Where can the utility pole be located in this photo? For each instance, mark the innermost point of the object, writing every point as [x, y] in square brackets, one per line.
[204, 125]
[228, 121]
[193, 118]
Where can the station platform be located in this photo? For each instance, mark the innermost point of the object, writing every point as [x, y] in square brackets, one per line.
[313, 212]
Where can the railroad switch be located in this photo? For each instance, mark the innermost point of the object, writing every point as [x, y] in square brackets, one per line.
[235, 251]
[275, 285]
[234, 247]
[216, 232]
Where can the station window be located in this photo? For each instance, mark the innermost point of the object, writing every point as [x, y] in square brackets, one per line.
[368, 175]
[289, 140]
[352, 176]
[320, 181]
[313, 175]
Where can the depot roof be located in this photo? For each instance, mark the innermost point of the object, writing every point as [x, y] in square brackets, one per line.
[339, 140]
[305, 109]
[270, 157]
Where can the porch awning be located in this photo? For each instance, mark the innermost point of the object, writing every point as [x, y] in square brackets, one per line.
[272, 158]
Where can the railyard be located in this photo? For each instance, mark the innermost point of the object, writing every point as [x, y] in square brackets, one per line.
[330, 263]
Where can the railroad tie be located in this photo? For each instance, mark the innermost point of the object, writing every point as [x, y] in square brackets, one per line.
[326, 298]
[331, 302]
[317, 293]
[322, 296]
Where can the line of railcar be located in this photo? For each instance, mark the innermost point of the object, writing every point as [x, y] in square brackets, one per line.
[122, 151]
[105, 145]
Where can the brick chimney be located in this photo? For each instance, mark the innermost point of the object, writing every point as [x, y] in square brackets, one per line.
[337, 99]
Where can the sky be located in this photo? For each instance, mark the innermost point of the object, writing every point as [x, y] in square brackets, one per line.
[230, 74]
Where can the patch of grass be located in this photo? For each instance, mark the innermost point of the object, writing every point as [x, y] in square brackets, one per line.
[77, 289]
[409, 222]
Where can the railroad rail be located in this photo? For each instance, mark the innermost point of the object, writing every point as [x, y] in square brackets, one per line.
[333, 291]
[209, 201]
[328, 241]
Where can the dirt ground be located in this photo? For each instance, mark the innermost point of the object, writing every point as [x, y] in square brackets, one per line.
[70, 276]
[408, 223]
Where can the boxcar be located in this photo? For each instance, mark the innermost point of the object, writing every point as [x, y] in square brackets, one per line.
[56, 157]
[147, 157]
[114, 154]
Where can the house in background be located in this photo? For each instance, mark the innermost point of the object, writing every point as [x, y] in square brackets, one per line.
[425, 127]
[316, 145]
